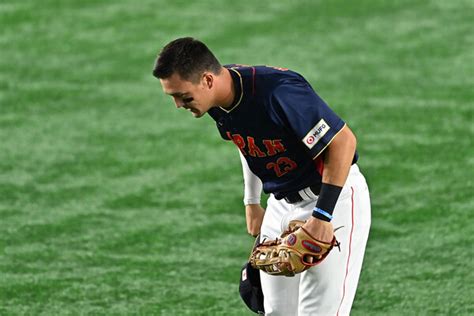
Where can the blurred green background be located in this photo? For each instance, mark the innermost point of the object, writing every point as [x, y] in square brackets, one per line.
[112, 202]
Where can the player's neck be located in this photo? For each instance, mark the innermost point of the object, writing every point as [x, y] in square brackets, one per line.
[226, 91]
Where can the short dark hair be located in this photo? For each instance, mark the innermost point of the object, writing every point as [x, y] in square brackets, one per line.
[187, 57]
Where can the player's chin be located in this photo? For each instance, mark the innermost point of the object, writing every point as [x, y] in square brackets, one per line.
[197, 114]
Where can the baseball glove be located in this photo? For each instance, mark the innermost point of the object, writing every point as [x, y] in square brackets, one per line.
[294, 252]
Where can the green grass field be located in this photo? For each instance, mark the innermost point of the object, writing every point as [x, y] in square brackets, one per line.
[112, 202]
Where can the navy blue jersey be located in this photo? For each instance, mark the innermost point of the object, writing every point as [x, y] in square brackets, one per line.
[280, 125]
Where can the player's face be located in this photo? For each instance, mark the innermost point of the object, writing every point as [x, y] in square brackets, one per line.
[194, 97]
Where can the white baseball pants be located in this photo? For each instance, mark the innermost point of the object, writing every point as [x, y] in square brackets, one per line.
[328, 288]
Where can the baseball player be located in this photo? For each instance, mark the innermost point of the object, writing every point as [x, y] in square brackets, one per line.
[294, 147]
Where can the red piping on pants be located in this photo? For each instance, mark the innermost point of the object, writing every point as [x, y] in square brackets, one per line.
[350, 247]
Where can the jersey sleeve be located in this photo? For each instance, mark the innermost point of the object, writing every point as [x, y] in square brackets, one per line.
[296, 106]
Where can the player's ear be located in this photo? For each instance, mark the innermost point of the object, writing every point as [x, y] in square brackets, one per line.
[208, 80]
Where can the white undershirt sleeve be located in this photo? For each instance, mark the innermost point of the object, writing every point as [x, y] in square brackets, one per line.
[252, 184]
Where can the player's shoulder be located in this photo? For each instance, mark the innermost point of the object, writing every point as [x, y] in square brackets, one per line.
[264, 70]
[269, 77]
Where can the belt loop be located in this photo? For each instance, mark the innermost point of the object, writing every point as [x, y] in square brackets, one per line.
[303, 194]
[310, 193]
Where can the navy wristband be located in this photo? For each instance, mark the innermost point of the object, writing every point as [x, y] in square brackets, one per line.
[328, 197]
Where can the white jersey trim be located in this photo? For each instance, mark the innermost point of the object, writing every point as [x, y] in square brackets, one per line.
[319, 153]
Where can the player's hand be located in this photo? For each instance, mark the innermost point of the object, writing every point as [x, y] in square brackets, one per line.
[254, 217]
[295, 251]
[319, 229]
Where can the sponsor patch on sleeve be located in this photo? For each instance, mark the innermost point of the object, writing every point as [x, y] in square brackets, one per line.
[316, 133]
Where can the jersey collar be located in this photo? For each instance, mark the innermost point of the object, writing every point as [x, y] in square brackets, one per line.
[234, 79]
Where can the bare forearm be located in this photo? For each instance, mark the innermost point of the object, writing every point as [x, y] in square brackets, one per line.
[254, 214]
[337, 162]
[338, 158]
